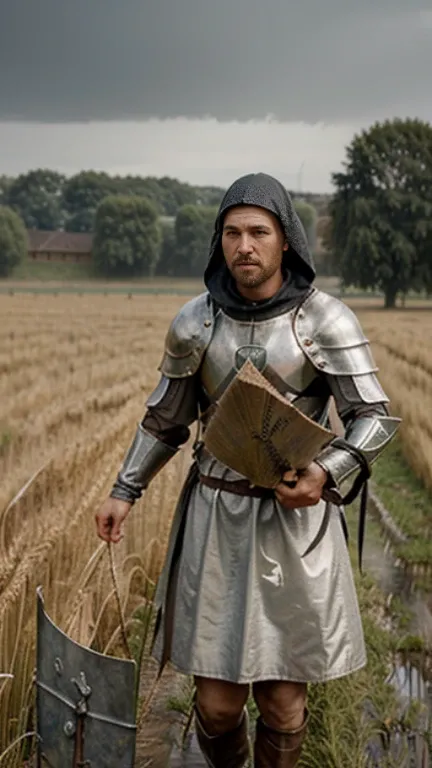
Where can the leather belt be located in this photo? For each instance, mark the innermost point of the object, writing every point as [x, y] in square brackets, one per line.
[238, 487]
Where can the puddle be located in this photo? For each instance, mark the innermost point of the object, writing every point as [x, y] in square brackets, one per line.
[410, 679]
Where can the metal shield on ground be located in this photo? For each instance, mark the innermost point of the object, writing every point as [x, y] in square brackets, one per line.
[85, 702]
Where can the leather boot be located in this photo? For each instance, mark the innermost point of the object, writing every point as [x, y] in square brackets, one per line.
[230, 750]
[278, 749]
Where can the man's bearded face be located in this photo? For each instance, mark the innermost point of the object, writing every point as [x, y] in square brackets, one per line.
[253, 244]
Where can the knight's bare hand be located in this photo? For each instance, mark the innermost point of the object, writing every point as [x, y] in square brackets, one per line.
[307, 491]
[110, 519]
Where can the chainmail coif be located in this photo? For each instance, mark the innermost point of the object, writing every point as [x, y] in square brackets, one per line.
[265, 192]
[298, 268]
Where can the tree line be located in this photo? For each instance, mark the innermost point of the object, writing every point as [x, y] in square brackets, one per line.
[48, 200]
[379, 233]
[141, 227]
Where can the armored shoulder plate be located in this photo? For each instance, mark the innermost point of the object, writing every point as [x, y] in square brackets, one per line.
[188, 338]
[331, 337]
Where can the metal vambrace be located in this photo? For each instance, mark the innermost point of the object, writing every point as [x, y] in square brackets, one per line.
[370, 435]
[144, 459]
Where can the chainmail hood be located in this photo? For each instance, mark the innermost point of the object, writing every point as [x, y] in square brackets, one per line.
[266, 192]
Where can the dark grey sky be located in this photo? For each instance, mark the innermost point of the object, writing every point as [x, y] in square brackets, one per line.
[300, 60]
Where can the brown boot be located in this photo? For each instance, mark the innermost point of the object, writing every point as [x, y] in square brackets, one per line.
[230, 750]
[278, 749]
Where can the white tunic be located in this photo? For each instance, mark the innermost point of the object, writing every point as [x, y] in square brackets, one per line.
[247, 605]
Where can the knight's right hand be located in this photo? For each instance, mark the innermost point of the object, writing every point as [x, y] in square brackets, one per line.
[110, 519]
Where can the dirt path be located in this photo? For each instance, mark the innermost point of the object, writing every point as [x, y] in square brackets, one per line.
[160, 735]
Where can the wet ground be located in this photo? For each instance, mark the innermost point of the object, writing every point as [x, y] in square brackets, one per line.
[391, 578]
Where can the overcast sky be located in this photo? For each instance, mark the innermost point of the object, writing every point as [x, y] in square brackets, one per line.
[206, 90]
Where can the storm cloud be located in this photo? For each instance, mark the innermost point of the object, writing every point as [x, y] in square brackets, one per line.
[335, 61]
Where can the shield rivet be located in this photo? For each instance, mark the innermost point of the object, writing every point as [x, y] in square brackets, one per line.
[69, 728]
[322, 364]
[308, 342]
[207, 323]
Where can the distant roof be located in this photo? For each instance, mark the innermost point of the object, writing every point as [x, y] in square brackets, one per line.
[74, 242]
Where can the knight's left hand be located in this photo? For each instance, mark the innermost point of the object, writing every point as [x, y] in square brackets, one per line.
[307, 491]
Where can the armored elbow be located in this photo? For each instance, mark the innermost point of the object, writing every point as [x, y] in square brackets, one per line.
[370, 435]
[145, 458]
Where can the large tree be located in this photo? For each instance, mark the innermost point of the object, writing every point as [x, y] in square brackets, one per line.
[37, 197]
[13, 240]
[175, 194]
[82, 194]
[141, 187]
[193, 230]
[127, 236]
[381, 232]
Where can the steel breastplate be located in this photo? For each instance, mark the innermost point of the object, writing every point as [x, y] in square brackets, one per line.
[272, 347]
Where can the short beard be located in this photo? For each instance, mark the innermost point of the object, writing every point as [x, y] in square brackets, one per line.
[254, 281]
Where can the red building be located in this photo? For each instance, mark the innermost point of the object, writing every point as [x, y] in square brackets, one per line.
[59, 246]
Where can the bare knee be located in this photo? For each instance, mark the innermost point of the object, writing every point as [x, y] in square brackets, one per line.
[220, 704]
[281, 704]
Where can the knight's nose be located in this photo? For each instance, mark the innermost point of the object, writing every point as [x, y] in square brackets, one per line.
[245, 246]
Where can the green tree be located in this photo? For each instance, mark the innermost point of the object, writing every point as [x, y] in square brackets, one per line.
[308, 217]
[37, 197]
[82, 221]
[193, 230]
[82, 194]
[167, 194]
[210, 196]
[323, 254]
[175, 194]
[127, 236]
[5, 182]
[141, 187]
[167, 263]
[381, 232]
[86, 190]
[13, 240]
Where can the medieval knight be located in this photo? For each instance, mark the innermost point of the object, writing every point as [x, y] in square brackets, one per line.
[238, 603]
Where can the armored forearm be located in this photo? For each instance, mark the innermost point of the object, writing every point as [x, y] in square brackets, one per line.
[145, 458]
[171, 408]
[370, 434]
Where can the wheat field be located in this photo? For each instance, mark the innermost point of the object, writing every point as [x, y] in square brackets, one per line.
[74, 375]
[402, 347]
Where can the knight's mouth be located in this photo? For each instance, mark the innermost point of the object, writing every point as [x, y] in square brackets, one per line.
[247, 264]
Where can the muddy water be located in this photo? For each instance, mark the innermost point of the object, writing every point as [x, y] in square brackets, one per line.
[391, 578]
